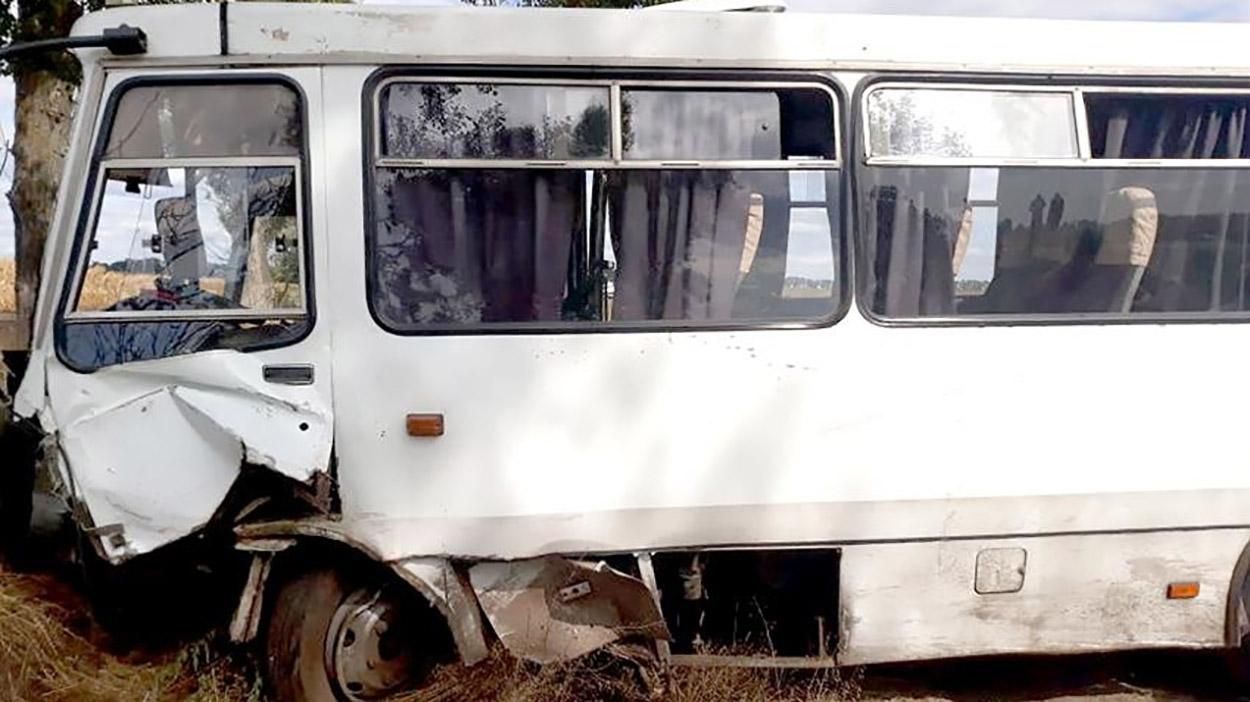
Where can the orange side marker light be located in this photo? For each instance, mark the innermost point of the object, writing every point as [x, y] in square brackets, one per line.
[1182, 591]
[425, 425]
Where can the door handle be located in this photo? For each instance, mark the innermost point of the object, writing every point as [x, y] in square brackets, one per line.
[289, 374]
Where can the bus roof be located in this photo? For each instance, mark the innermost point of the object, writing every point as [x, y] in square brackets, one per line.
[260, 33]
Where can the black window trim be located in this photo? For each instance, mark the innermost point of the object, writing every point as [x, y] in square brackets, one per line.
[370, 115]
[86, 211]
[863, 294]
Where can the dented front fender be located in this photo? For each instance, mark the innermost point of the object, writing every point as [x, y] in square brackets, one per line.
[153, 448]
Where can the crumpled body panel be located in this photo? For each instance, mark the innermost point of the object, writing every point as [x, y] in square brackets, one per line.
[554, 609]
[153, 448]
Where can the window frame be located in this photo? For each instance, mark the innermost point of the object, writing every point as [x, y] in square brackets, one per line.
[74, 315]
[616, 80]
[1078, 89]
[91, 200]
[1079, 124]
[616, 159]
[1079, 86]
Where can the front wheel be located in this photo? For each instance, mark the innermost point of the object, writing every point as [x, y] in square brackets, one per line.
[333, 639]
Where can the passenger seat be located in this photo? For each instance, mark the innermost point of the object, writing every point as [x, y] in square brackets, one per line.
[1130, 224]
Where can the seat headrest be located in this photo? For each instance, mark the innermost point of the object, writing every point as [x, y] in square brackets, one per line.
[962, 239]
[1130, 218]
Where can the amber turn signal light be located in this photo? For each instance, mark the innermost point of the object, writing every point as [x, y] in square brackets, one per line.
[1182, 591]
[425, 425]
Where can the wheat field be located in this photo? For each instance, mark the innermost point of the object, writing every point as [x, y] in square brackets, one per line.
[8, 285]
[102, 288]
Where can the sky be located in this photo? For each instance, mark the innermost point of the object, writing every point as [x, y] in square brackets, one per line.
[1168, 10]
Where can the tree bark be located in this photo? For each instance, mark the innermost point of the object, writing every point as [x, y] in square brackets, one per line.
[44, 107]
[45, 89]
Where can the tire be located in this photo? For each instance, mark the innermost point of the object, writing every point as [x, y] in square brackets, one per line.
[295, 639]
[336, 638]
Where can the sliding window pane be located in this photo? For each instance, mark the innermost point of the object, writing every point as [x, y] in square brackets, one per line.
[957, 123]
[490, 121]
[728, 125]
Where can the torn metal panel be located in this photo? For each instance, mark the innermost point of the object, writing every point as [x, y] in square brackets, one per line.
[152, 449]
[553, 609]
[646, 569]
[448, 590]
[246, 621]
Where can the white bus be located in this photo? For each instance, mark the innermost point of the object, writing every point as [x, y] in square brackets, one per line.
[745, 338]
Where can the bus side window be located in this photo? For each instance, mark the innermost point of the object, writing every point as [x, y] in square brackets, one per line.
[533, 220]
[952, 235]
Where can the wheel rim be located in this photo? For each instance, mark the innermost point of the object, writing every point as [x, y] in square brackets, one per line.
[370, 648]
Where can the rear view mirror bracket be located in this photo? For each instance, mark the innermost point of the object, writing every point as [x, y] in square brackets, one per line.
[122, 40]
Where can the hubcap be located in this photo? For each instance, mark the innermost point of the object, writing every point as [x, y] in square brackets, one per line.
[369, 649]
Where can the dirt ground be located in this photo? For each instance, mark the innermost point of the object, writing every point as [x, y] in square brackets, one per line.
[52, 651]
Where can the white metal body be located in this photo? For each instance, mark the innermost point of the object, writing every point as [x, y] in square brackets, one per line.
[1112, 454]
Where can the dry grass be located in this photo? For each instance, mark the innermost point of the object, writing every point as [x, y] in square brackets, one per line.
[504, 679]
[47, 654]
[51, 652]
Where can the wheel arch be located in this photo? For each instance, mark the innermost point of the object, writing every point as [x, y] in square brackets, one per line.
[444, 585]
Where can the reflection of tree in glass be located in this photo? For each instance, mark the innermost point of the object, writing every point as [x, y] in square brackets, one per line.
[898, 127]
[416, 291]
[475, 121]
[627, 123]
[256, 207]
[590, 136]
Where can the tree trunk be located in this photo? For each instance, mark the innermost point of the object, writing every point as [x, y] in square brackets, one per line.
[44, 105]
[43, 115]
[45, 88]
